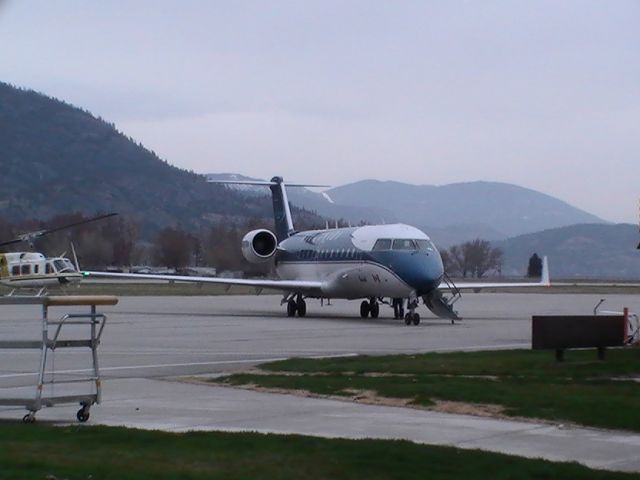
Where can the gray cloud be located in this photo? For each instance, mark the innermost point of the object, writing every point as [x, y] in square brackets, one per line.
[543, 94]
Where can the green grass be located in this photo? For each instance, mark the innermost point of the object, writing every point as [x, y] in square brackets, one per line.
[526, 383]
[83, 452]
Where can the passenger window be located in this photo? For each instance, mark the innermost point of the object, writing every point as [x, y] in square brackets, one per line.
[382, 244]
[404, 244]
[25, 269]
[48, 268]
[15, 270]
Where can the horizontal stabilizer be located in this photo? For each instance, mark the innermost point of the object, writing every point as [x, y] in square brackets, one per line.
[266, 183]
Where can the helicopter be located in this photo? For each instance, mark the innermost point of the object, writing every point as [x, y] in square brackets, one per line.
[33, 270]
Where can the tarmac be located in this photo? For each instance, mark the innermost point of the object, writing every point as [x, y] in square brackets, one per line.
[149, 342]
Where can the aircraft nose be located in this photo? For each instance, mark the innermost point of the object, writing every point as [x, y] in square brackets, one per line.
[429, 274]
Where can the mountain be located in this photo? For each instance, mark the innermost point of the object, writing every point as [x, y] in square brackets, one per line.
[56, 159]
[578, 251]
[450, 214]
[508, 209]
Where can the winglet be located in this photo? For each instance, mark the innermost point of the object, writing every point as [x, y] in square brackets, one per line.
[545, 280]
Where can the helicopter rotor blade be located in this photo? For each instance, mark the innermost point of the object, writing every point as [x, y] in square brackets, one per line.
[11, 242]
[31, 236]
[75, 224]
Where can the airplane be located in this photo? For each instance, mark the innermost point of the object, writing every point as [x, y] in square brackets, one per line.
[33, 270]
[373, 262]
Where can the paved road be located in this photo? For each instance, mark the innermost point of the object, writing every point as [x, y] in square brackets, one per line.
[148, 339]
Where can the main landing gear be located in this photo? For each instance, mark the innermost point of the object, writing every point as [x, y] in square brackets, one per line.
[296, 305]
[371, 307]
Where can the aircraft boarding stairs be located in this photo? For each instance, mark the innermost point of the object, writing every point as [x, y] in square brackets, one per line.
[441, 305]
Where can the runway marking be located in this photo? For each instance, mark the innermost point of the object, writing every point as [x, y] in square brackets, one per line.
[169, 365]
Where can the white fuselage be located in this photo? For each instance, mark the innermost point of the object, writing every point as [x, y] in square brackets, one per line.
[350, 263]
[34, 270]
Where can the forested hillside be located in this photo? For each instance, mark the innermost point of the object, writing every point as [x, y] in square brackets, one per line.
[578, 251]
[57, 159]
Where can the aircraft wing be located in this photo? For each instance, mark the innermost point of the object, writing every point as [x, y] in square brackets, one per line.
[302, 286]
[477, 286]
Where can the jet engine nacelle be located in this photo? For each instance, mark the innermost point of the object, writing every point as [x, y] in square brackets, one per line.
[259, 245]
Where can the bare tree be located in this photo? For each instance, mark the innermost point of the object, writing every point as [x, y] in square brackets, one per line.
[173, 248]
[447, 262]
[474, 258]
[122, 235]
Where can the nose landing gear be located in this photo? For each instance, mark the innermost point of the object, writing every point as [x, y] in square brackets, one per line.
[296, 305]
[412, 317]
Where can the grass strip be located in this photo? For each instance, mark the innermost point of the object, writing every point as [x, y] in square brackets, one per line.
[524, 383]
[85, 452]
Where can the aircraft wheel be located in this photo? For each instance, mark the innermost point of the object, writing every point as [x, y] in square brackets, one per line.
[407, 319]
[374, 309]
[29, 418]
[83, 415]
[364, 309]
[416, 319]
[291, 308]
[301, 307]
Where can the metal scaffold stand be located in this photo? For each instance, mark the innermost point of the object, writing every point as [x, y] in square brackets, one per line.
[90, 323]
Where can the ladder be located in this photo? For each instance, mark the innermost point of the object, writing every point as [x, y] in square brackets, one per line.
[92, 324]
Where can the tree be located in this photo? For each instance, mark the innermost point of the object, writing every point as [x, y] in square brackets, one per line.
[173, 248]
[534, 269]
[447, 262]
[6, 231]
[122, 234]
[474, 258]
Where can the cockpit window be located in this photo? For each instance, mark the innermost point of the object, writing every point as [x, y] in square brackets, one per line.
[404, 244]
[382, 244]
[425, 246]
[63, 265]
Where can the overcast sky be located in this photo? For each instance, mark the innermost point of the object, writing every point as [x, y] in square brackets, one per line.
[543, 94]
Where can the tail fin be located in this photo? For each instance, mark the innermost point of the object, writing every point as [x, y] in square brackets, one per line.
[281, 210]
